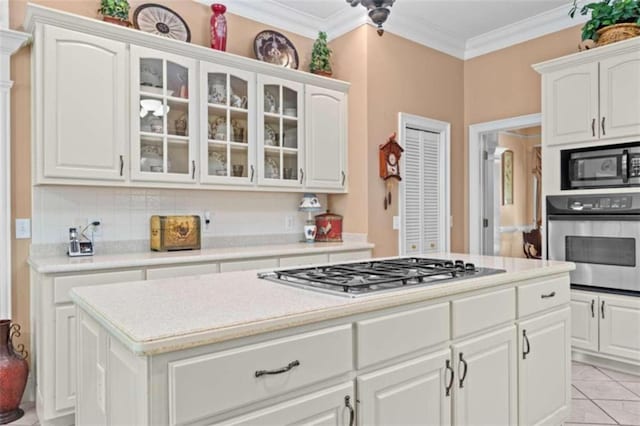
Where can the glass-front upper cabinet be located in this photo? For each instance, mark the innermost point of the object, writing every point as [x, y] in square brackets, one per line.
[164, 131]
[227, 120]
[280, 132]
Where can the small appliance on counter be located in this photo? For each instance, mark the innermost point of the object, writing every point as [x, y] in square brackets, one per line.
[601, 235]
[609, 166]
[172, 233]
[79, 243]
[329, 227]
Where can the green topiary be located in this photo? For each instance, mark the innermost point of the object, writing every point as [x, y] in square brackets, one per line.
[605, 13]
[321, 55]
[115, 8]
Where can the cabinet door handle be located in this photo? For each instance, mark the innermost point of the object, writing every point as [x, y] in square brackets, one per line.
[289, 366]
[464, 371]
[525, 340]
[593, 127]
[301, 175]
[193, 166]
[253, 171]
[352, 412]
[450, 384]
[602, 309]
[593, 313]
[344, 177]
[121, 165]
[547, 296]
[602, 123]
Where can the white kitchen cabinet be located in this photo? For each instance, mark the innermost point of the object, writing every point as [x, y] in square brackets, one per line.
[544, 369]
[571, 105]
[620, 326]
[485, 389]
[280, 132]
[65, 356]
[415, 392]
[620, 95]
[329, 407]
[227, 124]
[584, 320]
[164, 112]
[80, 106]
[326, 138]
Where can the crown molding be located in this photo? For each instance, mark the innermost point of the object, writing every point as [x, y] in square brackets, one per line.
[11, 41]
[527, 29]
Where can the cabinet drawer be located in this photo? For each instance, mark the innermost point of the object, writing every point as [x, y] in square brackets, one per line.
[182, 271]
[62, 285]
[349, 256]
[543, 295]
[248, 265]
[203, 386]
[311, 259]
[397, 334]
[482, 311]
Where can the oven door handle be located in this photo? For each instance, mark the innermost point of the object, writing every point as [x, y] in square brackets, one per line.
[595, 217]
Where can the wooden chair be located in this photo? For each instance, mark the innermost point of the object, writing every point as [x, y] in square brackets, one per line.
[532, 244]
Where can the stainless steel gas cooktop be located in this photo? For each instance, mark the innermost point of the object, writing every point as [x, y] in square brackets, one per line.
[374, 276]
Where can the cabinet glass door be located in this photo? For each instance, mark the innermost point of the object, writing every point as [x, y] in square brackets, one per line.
[228, 124]
[163, 133]
[280, 132]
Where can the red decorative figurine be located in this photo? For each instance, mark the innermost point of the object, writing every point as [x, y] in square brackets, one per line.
[218, 27]
[13, 372]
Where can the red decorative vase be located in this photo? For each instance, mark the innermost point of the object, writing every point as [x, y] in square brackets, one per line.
[13, 373]
[218, 27]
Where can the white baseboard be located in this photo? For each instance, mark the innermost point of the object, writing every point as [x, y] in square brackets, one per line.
[605, 361]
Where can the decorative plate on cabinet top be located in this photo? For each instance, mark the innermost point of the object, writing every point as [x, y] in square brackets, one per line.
[160, 20]
[275, 48]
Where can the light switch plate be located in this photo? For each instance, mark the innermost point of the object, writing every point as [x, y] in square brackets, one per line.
[23, 229]
[396, 223]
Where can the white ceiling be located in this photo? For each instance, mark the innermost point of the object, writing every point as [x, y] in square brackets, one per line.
[462, 28]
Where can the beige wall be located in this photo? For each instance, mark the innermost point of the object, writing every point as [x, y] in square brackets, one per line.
[241, 34]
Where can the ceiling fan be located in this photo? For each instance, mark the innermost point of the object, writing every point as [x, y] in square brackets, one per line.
[378, 10]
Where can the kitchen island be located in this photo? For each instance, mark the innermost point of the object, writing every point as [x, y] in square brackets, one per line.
[235, 349]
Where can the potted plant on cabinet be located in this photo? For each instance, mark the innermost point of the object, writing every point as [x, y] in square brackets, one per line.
[115, 12]
[610, 21]
[321, 56]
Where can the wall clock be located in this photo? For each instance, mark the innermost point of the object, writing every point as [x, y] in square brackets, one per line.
[389, 158]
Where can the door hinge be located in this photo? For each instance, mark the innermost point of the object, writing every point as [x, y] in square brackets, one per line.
[485, 223]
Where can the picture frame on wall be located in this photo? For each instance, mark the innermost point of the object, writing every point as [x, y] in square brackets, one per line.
[507, 177]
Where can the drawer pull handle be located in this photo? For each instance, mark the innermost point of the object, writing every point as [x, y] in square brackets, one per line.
[547, 296]
[344, 177]
[602, 309]
[464, 371]
[121, 165]
[593, 302]
[450, 384]
[593, 127]
[253, 171]
[525, 351]
[278, 371]
[603, 130]
[352, 412]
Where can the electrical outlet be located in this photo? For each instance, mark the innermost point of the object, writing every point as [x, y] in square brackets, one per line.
[289, 221]
[23, 229]
[207, 226]
[97, 230]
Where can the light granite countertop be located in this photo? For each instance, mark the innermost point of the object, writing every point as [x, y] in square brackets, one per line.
[166, 315]
[65, 264]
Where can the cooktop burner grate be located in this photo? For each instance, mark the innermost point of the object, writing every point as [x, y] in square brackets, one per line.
[360, 278]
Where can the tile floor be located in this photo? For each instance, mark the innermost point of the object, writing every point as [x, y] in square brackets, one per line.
[600, 397]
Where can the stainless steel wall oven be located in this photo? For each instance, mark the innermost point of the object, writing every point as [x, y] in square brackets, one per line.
[601, 234]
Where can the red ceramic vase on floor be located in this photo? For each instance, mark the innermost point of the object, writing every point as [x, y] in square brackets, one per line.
[218, 27]
[13, 373]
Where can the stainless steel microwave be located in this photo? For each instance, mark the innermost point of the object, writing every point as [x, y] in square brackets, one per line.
[601, 167]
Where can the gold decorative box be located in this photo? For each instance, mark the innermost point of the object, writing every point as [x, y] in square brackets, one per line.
[169, 233]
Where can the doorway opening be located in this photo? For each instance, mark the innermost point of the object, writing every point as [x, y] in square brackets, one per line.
[505, 159]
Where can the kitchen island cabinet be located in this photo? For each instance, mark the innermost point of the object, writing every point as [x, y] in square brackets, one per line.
[240, 350]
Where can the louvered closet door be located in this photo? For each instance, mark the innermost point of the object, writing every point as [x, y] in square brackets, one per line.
[423, 194]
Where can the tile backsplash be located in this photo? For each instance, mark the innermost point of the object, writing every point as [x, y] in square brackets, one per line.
[125, 212]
